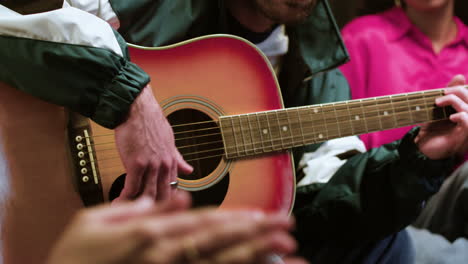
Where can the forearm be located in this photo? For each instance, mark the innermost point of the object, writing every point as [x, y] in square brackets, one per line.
[82, 65]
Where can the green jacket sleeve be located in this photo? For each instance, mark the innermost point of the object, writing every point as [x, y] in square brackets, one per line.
[68, 69]
[371, 196]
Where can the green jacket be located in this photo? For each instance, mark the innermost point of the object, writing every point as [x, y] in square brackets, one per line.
[370, 197]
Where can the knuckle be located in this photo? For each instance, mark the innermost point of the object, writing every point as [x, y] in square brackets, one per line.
[140, 162]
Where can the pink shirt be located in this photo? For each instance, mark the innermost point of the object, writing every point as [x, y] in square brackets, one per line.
[390, 55]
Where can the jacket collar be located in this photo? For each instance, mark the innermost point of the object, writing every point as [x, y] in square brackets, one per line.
[403, 25]
[318, 38]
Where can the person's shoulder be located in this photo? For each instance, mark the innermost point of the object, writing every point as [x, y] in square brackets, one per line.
[371, 27]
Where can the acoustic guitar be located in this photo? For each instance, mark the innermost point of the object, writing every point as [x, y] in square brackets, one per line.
[223, 101]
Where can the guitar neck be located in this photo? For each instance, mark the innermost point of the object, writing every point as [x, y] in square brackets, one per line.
[277, 130]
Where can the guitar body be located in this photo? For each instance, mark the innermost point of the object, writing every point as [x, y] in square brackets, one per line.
[195, 83]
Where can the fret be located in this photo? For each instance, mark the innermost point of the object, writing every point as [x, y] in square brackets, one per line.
[228, 136]
[280, 130]
[318, 123]
[299, 122]
[255, 133]
[267, 141]
[418, 107]
[356, 117]
[402, 112]
[371, 115]
[245, 134]
[363, 115]
[436, 113]
[285, 129]
[388, 117]
[275, 134]
[440, 113]
[337, 122]
[238, 136]
[331, 125]
[342, 115]
[348, 116]
[410, 110]
[428, 105]
[377, 110]
[308, 124]
[260, 129]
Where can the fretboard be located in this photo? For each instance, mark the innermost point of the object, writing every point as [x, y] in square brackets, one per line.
[277, 130]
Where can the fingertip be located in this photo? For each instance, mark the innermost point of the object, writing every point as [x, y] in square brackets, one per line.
[458, 79]
[144, 202]
[182, 199]
[185, 168]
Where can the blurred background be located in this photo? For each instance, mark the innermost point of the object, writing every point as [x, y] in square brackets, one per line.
[345, 10]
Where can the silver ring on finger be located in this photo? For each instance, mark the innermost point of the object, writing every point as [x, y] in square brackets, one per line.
[174, 184]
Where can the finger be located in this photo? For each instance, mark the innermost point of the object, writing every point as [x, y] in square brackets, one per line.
[226, 235]
[173, 229]
[132, 184]
[460, 91]
[150, 182]
[174, 178]
[164, 178]
[143, 206]
[186, 223]
[458, 79]
[460, 118]
[123, 210]
[454, 101]
[182, 166]
[258, 250]
[180, 200]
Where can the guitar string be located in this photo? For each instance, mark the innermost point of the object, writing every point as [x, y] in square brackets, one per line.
[394, 104]
[244, 146]
[370, 120]
[403, 102]
[201, 158]
[406, 104]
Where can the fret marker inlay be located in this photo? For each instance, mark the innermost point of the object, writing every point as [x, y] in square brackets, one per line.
[316, 110]
[356, 117]
[385, 113]
[285, 128]
[265, 131]
[418, 108]
[320, 135]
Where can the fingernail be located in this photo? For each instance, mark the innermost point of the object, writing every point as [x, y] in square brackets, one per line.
[144, 202]
[257, 215]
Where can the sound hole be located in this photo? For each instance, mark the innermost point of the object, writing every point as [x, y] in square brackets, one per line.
[199, 140]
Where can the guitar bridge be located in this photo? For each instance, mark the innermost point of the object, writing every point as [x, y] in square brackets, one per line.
[84, 162]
